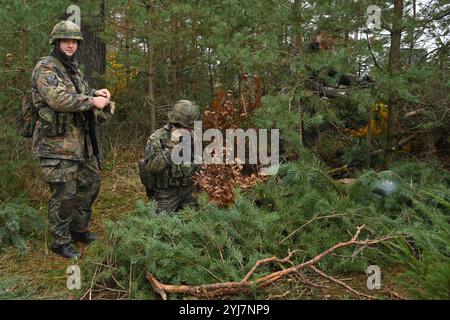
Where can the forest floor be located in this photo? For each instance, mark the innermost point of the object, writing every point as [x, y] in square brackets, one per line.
[40, 274]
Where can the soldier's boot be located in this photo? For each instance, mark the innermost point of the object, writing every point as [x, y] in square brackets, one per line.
[66, 251]
[85, 237]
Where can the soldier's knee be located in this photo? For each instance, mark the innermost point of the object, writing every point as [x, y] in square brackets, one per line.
[89, 183]
[66, 209]
[63, 191]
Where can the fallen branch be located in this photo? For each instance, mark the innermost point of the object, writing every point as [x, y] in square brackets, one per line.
[244, 286]
[264, 261]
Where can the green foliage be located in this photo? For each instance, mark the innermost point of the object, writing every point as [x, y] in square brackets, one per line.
[19, 223]
[422, 210]
[11, 145]
[299, 209]
[211, 245]
[25, 30]
[429, 271]
[205, 47]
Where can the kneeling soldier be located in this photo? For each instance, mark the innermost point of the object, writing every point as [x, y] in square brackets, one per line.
[165, 181]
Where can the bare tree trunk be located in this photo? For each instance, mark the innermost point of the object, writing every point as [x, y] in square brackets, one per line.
[23, 52]
[92, 53]
[23, 75]
[394, 69]
[175, 58]
[194, 53]
[369, 138]
[128, 37]
[211, 75]
[298, 44]
[150, 70]
[411, 35]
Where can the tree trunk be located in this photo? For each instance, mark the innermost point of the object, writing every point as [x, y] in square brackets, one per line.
[298, 45]
[210, 73]
[175, 58]
[394, 69]
[128, 37]
[23, 75]
[150, 71]
[92, 53]
[369, 137]
[412, 34]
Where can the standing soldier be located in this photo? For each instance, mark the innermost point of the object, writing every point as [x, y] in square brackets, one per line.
[66, 138]
[169, 183]
[324, 43]
[319, 82]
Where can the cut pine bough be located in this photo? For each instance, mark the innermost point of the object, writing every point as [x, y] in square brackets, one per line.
[224, 289]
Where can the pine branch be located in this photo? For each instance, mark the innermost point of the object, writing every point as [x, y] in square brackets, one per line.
[244, 286]
[372, 54]
[437, 17]
[315, 218]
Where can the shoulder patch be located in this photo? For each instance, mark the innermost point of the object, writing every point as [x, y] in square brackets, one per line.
[52, 80]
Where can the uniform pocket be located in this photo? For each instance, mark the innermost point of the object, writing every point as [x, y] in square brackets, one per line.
[51, 170]
[49, 122]
[58, 170]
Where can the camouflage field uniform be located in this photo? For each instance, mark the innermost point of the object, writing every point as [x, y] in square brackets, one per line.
[62, 141]
[320, 87]
[166, 182]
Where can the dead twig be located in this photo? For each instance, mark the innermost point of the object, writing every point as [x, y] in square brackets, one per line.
[306, 281]
[395, 294]
[339, 282]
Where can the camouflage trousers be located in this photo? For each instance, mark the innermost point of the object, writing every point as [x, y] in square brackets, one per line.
[173, 199]
[74, 186]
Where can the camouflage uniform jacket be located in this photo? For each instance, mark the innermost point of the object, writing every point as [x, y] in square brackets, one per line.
[60, 129]
[318, 84]
[159, 164]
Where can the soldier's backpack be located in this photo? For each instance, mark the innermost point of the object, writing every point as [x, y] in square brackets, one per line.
[26, 119]
[28, 114]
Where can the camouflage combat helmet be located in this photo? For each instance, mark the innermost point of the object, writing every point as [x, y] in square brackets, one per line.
[65, 30]
[184, 113]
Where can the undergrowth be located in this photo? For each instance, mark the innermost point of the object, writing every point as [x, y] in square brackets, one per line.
[301, 209]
